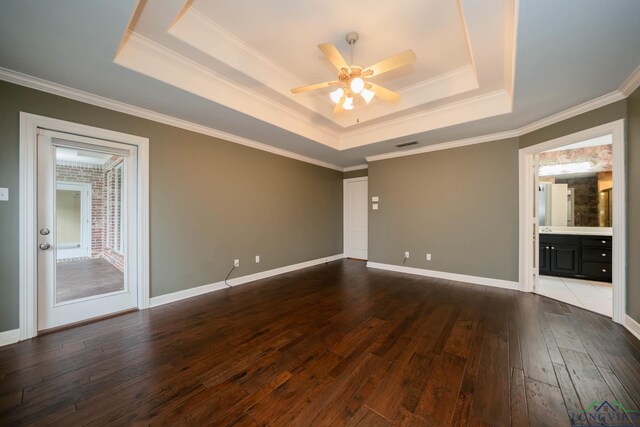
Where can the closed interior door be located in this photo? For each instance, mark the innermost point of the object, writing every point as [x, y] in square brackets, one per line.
[356, 218]
[86, 237]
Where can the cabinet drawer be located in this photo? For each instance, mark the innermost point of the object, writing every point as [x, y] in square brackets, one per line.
[602, 255]
[597, 270]
[603, 242]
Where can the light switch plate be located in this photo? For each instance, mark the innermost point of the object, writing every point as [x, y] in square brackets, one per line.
[374, 207]
[375, 199]
[4, 194]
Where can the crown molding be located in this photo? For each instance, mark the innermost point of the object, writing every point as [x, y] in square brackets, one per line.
[631, 83]
[355, 168]
[466, 110]
[547, 121]
[201, 32]
[147, 57]
[445, 146]
[585, 107]
[110, 104]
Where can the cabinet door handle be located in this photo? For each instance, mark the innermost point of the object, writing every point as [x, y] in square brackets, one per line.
[604, 270]
[604, 241]
[604, 254]
[552, 248]
[547, 247]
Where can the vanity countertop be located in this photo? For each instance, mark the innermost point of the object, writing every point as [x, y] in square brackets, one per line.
[580, 231]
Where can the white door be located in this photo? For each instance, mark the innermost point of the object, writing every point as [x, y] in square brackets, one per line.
[356, 217]
[102, 279]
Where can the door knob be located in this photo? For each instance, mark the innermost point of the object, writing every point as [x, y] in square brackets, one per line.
[44, 246]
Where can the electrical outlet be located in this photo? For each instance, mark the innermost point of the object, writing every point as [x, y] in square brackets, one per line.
[428, 257]
[257, 258]
[406, 254]
[4, 194]
[236, 263]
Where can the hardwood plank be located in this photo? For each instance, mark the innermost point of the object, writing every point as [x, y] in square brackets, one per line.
[518, 399]
[328, 345]
[545, 404]
[571, 399]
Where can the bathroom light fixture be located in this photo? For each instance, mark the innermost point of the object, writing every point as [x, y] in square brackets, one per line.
[564, 168]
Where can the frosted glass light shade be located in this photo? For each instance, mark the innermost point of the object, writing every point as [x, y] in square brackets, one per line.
[336, 95]
[367, 95]
[357, 85]
[348, 104]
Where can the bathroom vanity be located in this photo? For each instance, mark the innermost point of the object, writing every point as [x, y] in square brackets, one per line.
[572, 252]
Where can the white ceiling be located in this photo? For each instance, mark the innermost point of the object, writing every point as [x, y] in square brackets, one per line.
[464, 83]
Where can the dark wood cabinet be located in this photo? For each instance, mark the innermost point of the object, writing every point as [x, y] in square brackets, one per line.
[583, 257]
[564, 260]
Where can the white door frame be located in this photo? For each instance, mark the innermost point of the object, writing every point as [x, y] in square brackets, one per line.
[345, 231]
[528, 253]
[29, 125]
[85, 217]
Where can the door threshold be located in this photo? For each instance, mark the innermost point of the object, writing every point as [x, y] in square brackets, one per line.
[85, 322]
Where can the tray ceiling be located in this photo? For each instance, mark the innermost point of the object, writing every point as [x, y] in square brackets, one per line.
[248, 55]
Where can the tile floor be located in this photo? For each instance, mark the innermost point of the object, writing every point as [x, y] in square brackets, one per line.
[594, 296]
[85, 278]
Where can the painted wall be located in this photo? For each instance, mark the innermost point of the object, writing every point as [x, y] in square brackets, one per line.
[211, 201]
[633, 206]
[460, 205]
[355, 174]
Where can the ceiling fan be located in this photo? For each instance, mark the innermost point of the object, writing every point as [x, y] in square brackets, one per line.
[354, 80]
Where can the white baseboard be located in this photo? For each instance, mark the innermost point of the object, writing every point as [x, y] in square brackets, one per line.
[192, 292]
[9, 337]
[485, 281]
[632, 326]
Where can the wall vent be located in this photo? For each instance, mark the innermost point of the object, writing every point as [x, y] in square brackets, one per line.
[406, 144]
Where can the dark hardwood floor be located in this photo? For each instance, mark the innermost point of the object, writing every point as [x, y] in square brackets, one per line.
[334, 344]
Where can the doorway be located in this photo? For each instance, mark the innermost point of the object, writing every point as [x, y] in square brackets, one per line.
[84, 228]
[356, 204]
[572, 219]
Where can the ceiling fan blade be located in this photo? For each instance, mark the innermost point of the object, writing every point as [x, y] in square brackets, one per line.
[384, 93]
[333, 54]
[314, 87]
[338, 107]
[400, 60]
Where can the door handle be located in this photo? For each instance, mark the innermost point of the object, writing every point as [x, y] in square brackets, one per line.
[44, 246]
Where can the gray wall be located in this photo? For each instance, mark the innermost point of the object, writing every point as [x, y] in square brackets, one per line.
[355, 174]
[633, 205]
[460, 205]
[211, 201]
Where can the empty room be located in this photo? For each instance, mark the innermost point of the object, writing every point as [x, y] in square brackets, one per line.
[251, 213]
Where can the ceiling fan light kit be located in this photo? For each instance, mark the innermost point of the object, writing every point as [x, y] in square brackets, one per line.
[353, 79]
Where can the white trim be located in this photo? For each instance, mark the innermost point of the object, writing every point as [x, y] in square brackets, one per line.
[632, 326]
[476, 280]
[88, 98]
[99, 101]
[563, 115]
[631, 83]
[444, 146]
[478, 107]
[29, 125]
[585, 107]
[617, 130]
[355, 168]
[9, 337]
[192, 292]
